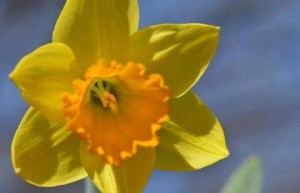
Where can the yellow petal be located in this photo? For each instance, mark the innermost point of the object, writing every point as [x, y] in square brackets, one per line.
[44, 75]
[129, 177]
[192, 139]
[180, 53]
[97, 29]
[45, 154]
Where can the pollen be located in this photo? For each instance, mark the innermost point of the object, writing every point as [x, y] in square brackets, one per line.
[116, 109]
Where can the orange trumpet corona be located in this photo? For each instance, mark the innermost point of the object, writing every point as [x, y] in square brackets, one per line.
[116, 109]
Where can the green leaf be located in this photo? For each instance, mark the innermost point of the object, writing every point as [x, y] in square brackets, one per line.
[89, 187]
[246, 179]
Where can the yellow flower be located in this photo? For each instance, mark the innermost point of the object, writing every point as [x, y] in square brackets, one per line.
[114, 103]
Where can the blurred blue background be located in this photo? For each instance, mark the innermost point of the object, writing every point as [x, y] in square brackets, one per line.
[252, 86]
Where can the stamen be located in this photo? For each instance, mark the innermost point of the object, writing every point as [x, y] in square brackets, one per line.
[101, 90]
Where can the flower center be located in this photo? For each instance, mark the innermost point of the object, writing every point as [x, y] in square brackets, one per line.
[116, 109]
[100, 90]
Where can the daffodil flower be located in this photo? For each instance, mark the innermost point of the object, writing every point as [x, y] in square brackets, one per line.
[113, 103]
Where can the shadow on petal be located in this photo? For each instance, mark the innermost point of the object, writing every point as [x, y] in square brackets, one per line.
[192, 139]
[45, 154]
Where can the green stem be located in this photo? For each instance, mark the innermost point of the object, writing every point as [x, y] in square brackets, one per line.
[89, 187]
